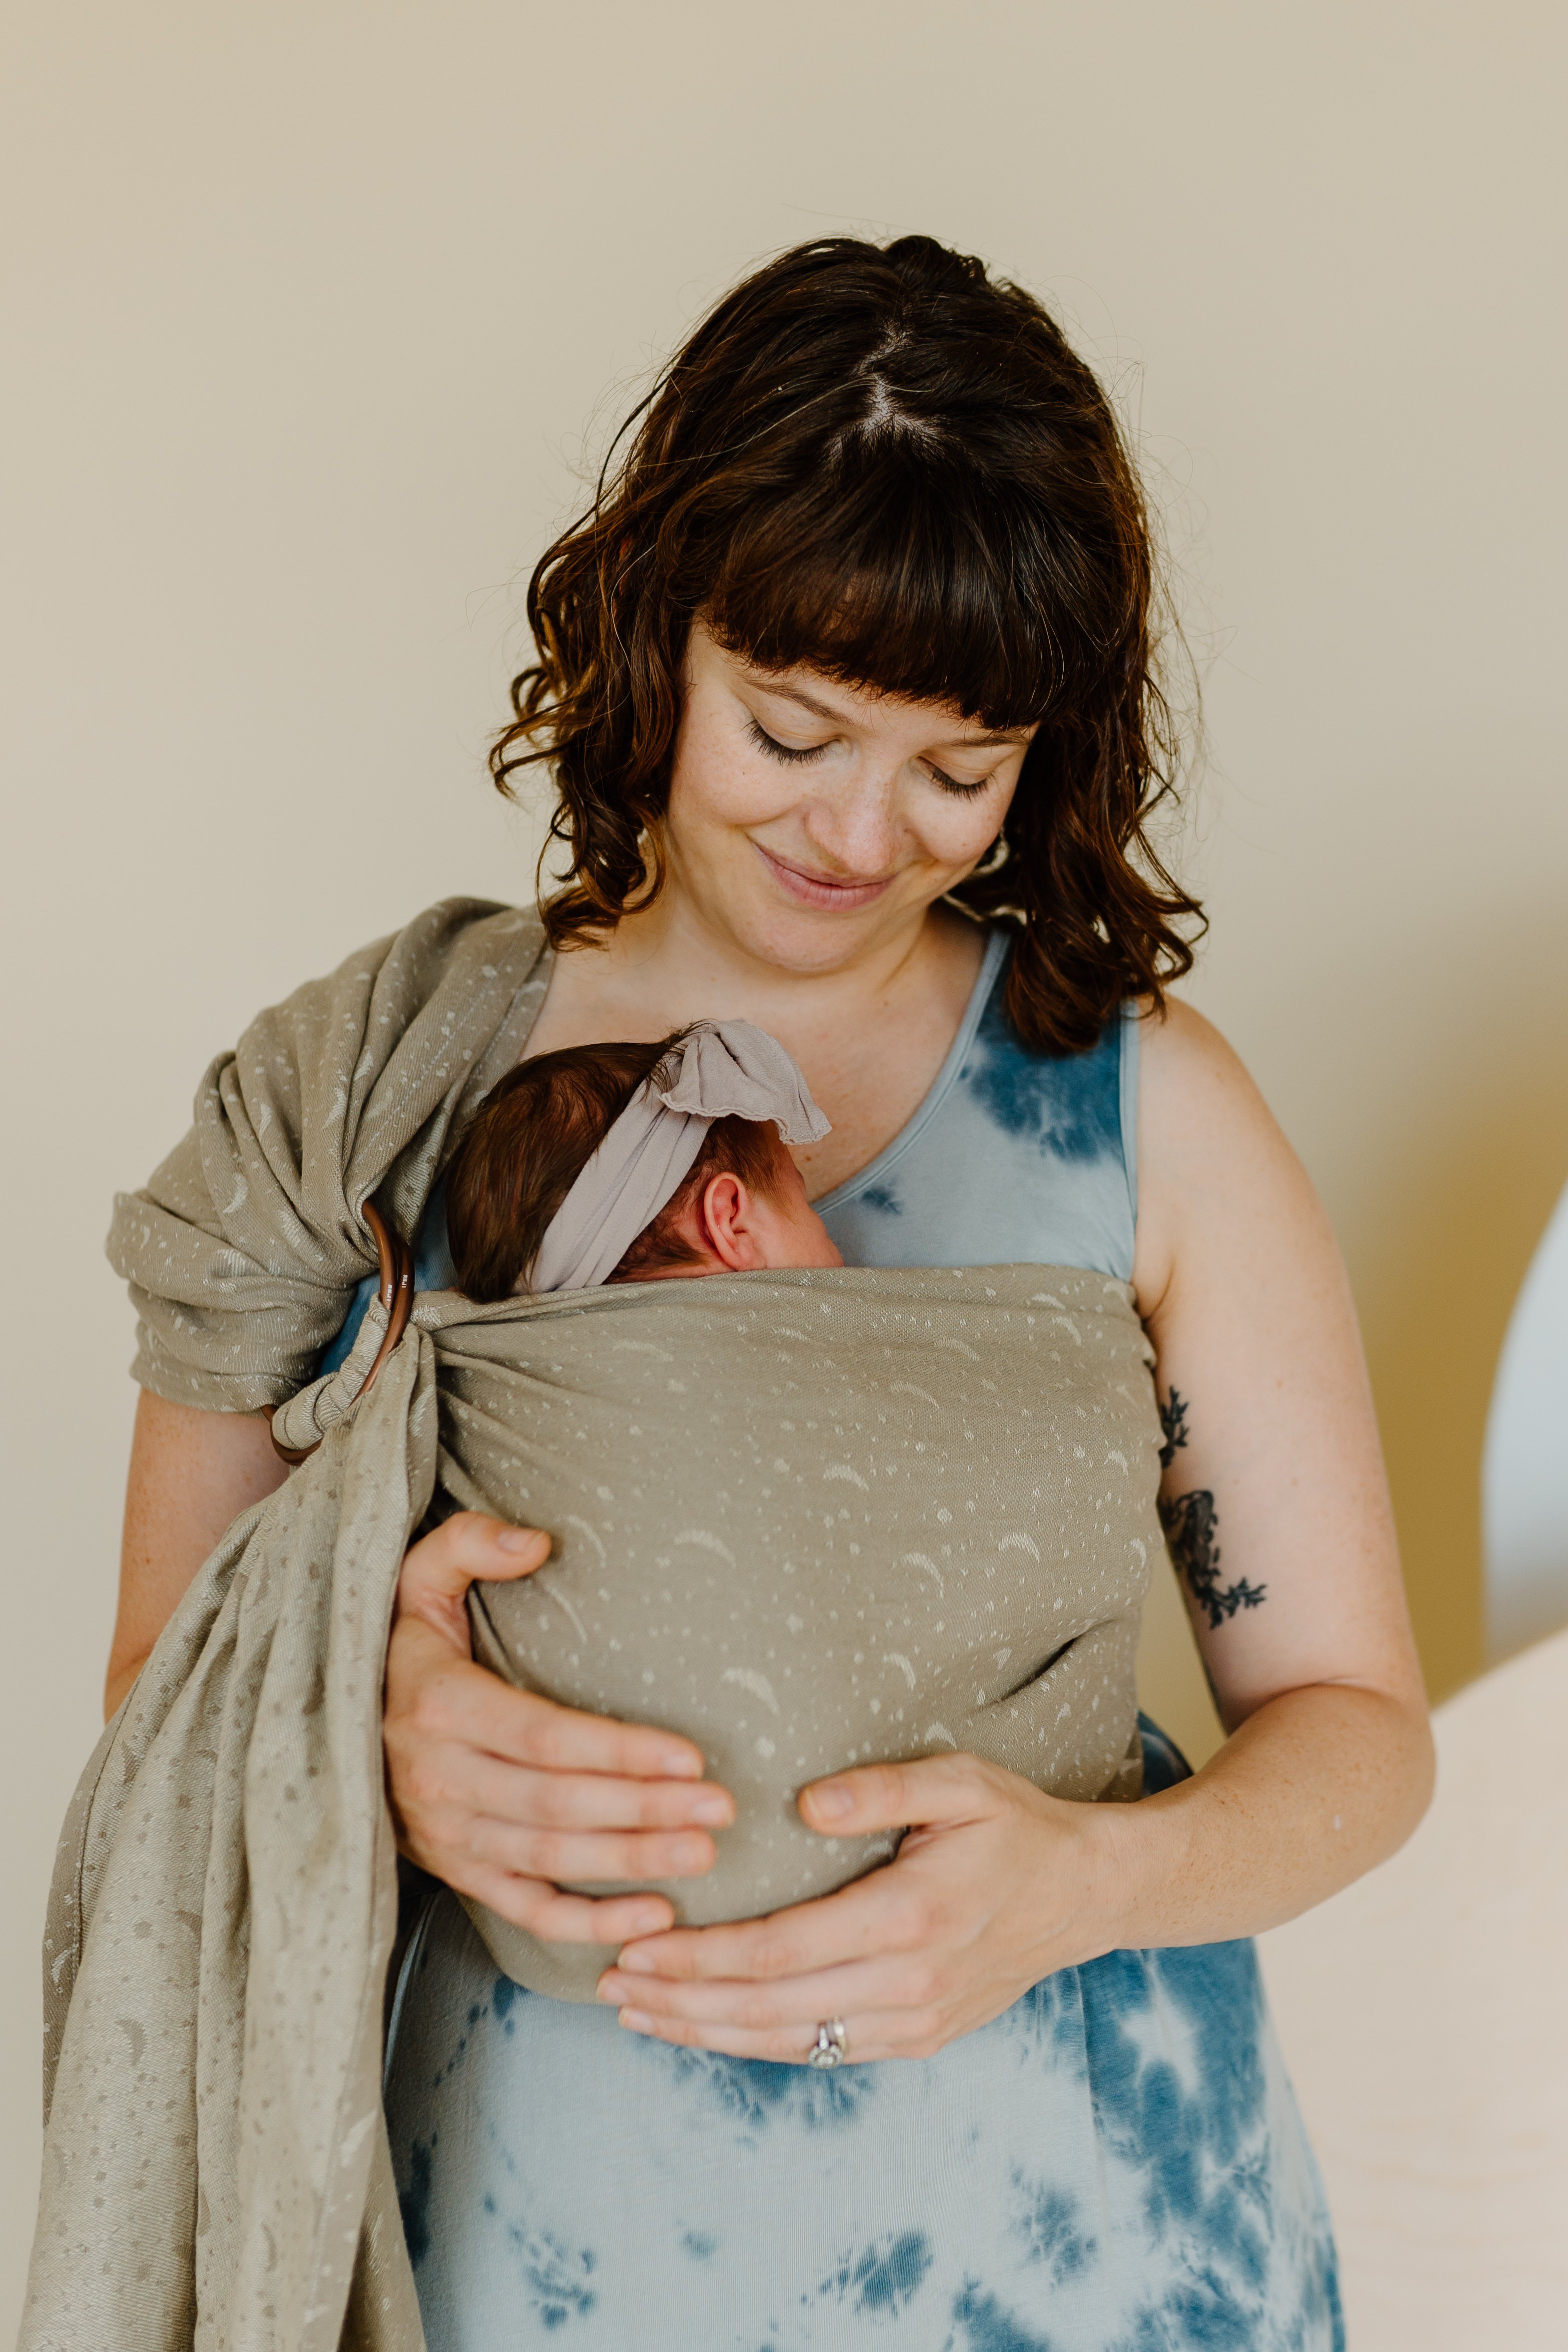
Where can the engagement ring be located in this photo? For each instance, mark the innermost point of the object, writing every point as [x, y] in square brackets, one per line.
[831, 2046]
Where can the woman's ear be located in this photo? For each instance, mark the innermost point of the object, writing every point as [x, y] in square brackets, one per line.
[727, 1212]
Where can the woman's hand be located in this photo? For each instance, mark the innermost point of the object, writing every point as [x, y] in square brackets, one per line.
[995, 1887]
[501, 1792]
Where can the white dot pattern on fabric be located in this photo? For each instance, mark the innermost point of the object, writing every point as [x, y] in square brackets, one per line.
[224, 1894]
[923, 1522]
[224, 1902]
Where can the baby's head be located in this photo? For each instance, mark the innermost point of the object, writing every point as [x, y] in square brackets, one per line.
[740, 1207]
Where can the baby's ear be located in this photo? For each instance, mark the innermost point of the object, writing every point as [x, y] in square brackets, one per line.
[727, 1224]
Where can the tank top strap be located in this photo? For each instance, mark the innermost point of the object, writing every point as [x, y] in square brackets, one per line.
[1014, 1156]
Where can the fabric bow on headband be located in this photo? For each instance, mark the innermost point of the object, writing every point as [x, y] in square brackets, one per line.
[719, 1069]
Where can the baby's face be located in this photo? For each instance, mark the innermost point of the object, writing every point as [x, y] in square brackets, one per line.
[787, 1229]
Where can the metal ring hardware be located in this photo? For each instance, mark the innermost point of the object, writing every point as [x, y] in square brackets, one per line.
[395, 1265]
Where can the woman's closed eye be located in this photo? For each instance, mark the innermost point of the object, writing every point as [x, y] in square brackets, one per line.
[786, 751]
[792, 753]
[966, 791]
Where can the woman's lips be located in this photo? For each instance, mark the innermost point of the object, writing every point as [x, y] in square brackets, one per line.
[821, 889]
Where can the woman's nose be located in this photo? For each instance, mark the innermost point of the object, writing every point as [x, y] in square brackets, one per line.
[858, 825]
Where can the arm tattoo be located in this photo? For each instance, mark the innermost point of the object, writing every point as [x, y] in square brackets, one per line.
[1191, 1523]
[1173, 1427]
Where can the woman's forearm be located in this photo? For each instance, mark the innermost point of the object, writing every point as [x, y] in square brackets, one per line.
[1316, 1786]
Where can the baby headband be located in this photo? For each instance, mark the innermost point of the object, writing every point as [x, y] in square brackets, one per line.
[719, 1069]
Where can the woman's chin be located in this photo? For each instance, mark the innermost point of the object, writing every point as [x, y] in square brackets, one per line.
[807, 940]
[774, 924]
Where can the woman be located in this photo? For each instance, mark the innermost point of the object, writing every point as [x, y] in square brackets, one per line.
[850, 666]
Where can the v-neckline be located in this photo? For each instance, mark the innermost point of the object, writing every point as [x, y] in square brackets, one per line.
[995, 956]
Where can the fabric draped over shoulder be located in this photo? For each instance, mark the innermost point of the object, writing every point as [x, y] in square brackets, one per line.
[242, 1249]
[262, 1701]
[218, 2175]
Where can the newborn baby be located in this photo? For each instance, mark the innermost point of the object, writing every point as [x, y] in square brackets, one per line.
[810, 1515]
[741, 1208]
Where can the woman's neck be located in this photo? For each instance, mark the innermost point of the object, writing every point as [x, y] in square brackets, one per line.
[870, 1031]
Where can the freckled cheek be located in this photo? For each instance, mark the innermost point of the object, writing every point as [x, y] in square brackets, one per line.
[715, 787]
[957, 836]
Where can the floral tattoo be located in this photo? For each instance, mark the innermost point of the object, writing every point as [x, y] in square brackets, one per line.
[1191, 1525]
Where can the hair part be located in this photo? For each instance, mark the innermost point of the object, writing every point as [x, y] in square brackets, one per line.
[531, 1137]
[881, 464]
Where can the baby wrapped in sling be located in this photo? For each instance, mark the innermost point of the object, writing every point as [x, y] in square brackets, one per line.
[807, 1515]
[810, 1515]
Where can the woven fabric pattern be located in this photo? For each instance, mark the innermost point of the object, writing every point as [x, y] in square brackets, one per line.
[953, 1471]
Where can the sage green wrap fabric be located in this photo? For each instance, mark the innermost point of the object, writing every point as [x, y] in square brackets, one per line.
[216, 2171]
[810, 1517]
[215, 2162]
[242, 1247]
[816, 1518]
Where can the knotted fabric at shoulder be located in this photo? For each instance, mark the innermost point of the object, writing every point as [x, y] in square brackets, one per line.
[242, 1248]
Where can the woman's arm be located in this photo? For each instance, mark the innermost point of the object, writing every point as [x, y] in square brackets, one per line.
[1277, 1514]
[192, 1474]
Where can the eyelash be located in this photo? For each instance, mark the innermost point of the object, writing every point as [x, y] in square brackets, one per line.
[788, 752]
[791, 755]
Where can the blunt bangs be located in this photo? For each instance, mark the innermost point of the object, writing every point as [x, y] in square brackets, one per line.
[908, 578]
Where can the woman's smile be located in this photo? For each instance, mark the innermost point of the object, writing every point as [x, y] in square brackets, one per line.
[828, 890]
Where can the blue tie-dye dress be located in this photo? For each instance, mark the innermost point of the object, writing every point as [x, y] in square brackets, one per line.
[1114, 2165]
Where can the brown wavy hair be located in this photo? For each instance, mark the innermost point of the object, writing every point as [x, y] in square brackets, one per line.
[882, 463]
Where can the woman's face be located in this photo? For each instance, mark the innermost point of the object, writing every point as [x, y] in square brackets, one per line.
[810, 821]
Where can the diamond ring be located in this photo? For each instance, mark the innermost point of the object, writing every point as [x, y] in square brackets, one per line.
[831, 2046]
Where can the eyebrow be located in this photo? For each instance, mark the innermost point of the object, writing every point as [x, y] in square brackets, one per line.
[1013, 735]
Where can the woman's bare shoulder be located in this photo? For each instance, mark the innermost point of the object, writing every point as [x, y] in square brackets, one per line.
[1182, 1052]
[1216, 1171]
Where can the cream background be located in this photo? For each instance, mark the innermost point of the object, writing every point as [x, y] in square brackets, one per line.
[1423, 2011]
[312, 307]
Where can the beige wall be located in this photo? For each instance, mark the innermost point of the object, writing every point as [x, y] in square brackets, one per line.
[312, 305]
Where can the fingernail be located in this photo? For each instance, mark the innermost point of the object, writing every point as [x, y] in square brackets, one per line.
[608, 1987]
[517, 1539]
[637, 2020]
[637, 1964]
[832, 1797]
[712, 1809]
